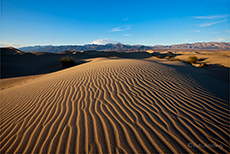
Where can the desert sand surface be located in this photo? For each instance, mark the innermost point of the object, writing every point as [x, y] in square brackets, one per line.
[117, 105]
[209, 58]
[218, 61]
[15, 63]
[15, 81]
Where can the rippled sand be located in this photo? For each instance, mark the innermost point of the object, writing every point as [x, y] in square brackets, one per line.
[116, 106]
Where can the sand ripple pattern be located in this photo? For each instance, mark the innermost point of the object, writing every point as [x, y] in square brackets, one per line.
[113, 106]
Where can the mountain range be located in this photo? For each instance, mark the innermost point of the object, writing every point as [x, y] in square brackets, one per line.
[125, 47]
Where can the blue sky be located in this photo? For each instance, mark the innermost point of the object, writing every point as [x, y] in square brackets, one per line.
[146, 22]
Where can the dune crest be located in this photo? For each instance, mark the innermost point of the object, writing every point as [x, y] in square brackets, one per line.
[114, 106]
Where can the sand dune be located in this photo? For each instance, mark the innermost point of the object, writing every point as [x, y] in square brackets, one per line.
[218, 61]
[117, 106]
[209, 57]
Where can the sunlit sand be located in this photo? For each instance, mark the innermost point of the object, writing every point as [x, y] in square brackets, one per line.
[117, 105]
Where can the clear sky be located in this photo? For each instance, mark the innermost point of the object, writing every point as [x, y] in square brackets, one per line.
[146, 22]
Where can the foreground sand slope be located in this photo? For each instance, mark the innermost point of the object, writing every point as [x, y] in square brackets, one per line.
[115, 105]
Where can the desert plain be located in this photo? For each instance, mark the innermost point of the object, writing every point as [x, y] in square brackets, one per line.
[114, 103]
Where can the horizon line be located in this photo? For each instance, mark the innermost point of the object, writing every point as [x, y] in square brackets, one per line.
[118, 43]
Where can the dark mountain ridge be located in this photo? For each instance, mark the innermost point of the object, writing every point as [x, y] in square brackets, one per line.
[125, 47]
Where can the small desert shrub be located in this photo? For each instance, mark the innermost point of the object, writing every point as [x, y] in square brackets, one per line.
[159, 56]
[112, 57]
[192, 59]
[203, 64]
[189, 62]
[175, 59]
[168, 56]
[67, 61]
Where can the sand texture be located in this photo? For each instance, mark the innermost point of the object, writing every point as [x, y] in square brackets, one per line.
[117, 106]
[214, 58]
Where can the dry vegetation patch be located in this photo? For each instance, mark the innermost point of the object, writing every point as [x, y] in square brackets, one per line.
[192, 59]
[67, 61]
[169, 56]
[175, 59]
[159, 56]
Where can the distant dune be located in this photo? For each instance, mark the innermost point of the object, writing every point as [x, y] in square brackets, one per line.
[139, 104]
[15, 63]
[10, 51]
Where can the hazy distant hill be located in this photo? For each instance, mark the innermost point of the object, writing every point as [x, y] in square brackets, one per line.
[125, 47]
[203, 45]
[107, 47]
